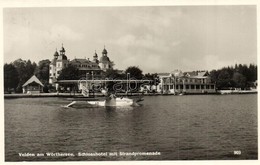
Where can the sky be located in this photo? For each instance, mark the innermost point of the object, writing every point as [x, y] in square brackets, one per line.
[156, 39]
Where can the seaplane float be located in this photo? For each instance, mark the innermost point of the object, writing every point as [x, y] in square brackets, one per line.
[110, 101]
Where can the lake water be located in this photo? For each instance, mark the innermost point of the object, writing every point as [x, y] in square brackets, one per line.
[202, 127]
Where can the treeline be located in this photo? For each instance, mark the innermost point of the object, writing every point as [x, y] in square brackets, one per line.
[18, 72]
[238, 76]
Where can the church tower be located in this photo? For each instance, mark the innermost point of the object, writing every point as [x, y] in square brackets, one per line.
[52, 69]
[95, 57]
[104, 61]
[62, 61]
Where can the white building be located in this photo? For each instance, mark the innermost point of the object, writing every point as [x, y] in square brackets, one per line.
[187, 82]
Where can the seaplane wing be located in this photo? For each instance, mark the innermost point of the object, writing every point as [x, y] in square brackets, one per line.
[109, 102]
[97, 103]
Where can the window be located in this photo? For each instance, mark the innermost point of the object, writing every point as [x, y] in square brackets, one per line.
[197, 86]
[212, 86]
[192, 86]
[187, 87]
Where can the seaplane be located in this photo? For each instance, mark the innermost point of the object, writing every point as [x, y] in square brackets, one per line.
[109, 101]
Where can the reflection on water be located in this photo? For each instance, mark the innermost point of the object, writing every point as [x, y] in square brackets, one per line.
[126, 108]
[181, 128]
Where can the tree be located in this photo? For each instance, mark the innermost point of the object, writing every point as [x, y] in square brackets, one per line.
[134, 72]
[252, 73]
[70, 72]
[42, 71]
[239, 80]
[214, 75]
[153, 77]
[240, 76]
[224, 79]
[113, 74]
[11, 77]
[25, 71]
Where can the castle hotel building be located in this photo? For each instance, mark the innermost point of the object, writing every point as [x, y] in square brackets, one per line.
[92, 67]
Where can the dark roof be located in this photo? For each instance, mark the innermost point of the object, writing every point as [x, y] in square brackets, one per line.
[95, 55]
[104, 51]
[80, 60]
[62, 49]
[56, 53]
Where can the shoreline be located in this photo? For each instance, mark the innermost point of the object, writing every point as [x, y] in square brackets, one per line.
[79, 95]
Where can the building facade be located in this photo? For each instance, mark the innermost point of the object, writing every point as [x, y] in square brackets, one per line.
[187, 82]
[86, 66]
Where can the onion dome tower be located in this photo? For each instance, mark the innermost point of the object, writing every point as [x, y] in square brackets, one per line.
[62, 53]
[56, 54]
[104, 61]
[95, 57]
[104, 52]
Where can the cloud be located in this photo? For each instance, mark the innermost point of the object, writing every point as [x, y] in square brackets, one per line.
[157, 38]
[58, 32]
[214, 62]
[175, 43]
[146, 42]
